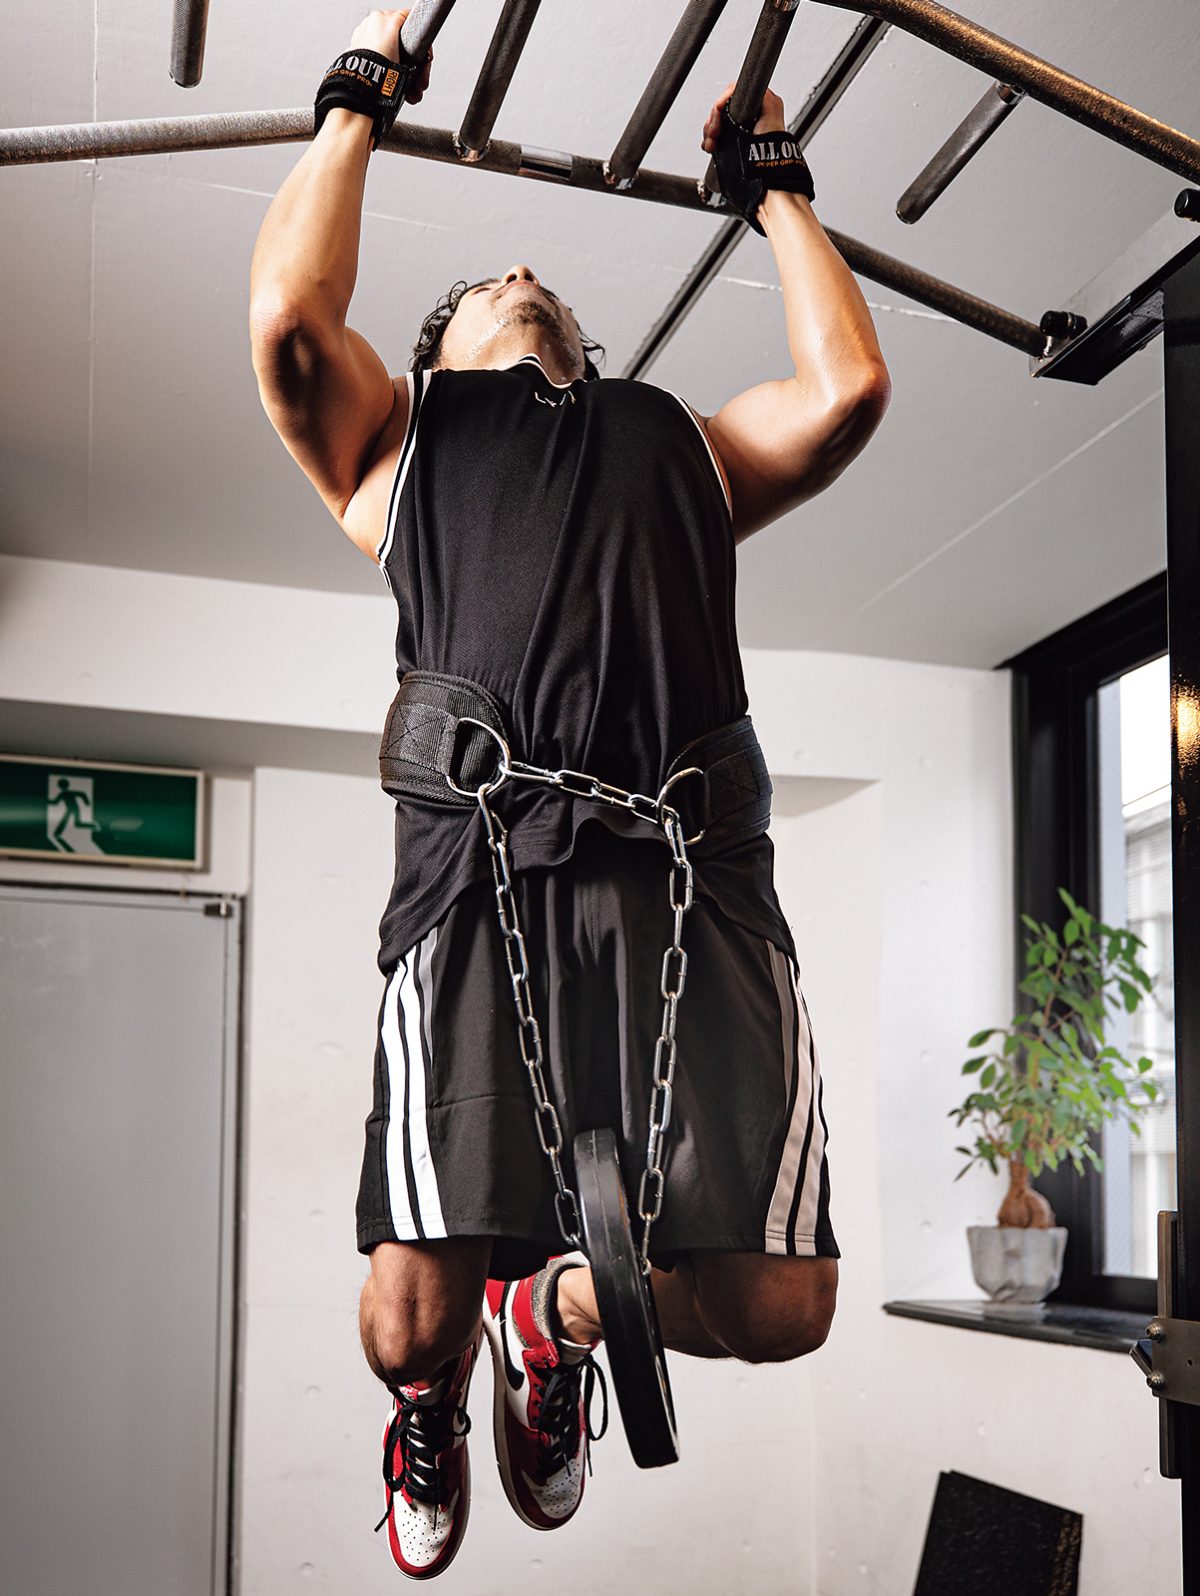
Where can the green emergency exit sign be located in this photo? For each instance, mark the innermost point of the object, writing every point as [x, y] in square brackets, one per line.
[101, 814]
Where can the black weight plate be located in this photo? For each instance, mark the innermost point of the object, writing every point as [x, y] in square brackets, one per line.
[627, 1313]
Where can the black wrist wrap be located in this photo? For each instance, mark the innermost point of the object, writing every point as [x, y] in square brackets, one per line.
[367, 83]
[748, 164]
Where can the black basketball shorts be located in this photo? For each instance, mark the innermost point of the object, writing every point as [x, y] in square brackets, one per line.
[451, 1143]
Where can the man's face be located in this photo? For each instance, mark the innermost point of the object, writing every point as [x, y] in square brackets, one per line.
[494, 308]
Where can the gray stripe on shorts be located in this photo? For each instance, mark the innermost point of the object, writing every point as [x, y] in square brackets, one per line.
[779, 1215]
[806, 1214]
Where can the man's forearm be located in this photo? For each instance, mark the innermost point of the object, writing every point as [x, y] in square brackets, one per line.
[306, 257]
[831, 336]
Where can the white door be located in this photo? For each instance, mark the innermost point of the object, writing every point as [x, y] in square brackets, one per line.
[118, 1038]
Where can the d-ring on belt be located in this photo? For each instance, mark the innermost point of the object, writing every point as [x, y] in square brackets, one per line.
[445, 740]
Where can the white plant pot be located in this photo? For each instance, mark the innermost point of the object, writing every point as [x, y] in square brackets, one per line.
[1017, 1268]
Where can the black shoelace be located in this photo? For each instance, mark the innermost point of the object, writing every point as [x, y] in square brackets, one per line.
[417, 1436]
[559, 1413]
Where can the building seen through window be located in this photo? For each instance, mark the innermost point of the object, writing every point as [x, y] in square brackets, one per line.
[1134, 815]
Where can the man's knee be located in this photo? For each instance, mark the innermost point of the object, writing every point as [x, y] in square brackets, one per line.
[402, 1348]
[782, 1310]
[419, 1311]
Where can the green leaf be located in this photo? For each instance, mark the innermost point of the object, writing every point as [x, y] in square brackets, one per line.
[1067, 899]
[1071, 933]
[1145, 1064]
[974, 1064]
[1131, 995]
[981, 1037]
[988, 1076]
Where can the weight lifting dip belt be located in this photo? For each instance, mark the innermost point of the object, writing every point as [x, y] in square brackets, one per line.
[431, 750]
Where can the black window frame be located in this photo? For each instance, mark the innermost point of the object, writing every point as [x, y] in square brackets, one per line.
[1056, 843]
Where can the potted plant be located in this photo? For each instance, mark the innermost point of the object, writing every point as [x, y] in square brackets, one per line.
[1045, 1083]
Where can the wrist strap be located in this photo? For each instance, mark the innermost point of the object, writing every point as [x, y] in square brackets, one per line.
[748, 164]
[362, 81]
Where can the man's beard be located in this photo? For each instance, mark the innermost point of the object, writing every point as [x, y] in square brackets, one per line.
[530, 310]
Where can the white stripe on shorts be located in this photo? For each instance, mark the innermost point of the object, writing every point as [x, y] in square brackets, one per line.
[420, 1053]
[799, 1065]
[407, 1046]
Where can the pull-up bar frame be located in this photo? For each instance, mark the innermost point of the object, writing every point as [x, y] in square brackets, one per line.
[965, 40]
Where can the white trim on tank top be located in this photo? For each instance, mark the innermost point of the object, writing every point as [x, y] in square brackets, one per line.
[404, 460]
[537, 362]
[712, 453]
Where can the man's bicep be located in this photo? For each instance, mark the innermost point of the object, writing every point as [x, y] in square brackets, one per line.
[780, 447]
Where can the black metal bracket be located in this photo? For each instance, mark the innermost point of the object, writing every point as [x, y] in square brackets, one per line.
[1121, 309]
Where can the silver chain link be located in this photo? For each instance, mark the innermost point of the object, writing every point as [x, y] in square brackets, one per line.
[658, 812]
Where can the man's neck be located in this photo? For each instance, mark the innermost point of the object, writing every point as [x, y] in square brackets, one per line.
[502, 353]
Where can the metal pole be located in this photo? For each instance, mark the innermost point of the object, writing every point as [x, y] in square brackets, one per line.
[678, 59]
[422, 26]
[99, 140]
[766, 44]
[495, 75]
[1181, 371]
[963, 145]
[1007, 62]
[188, 29]
[842, 71]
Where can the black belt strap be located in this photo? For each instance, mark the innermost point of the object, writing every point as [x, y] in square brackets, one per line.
[425, 745]
[731, 801]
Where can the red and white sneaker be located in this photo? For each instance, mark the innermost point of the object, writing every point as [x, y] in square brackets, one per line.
[427, 1471]
[543, 1392]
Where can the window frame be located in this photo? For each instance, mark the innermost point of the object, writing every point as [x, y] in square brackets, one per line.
[1056, 843]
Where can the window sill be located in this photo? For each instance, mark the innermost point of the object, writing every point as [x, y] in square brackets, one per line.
[1102, 1329]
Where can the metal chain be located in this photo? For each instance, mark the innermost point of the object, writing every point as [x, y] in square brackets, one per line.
[577, 784]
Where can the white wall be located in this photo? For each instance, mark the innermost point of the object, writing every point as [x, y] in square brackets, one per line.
[899, 897]
[892, 836]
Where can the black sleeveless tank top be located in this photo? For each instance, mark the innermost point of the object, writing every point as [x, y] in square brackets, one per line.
[570, 548]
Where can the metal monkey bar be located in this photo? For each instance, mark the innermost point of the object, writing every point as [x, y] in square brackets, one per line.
[188, 28]
[677, 60]
[1016, 71]
[963, 145]
[495, 75]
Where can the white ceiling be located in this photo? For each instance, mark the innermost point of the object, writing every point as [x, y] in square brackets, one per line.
[989, 510]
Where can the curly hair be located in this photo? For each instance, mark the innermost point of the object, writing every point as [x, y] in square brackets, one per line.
[428, 346]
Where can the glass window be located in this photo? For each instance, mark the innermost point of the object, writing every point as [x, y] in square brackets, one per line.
[1134, 826]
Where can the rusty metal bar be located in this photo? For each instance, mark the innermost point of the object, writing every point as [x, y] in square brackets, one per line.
[962, 146]
[100, 140]
[495, 75]
[1008, 63]
[678, 59]
[838, 76]
[189, 26]
[766, 45]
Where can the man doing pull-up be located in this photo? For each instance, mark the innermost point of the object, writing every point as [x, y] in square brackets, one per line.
[567, 544]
